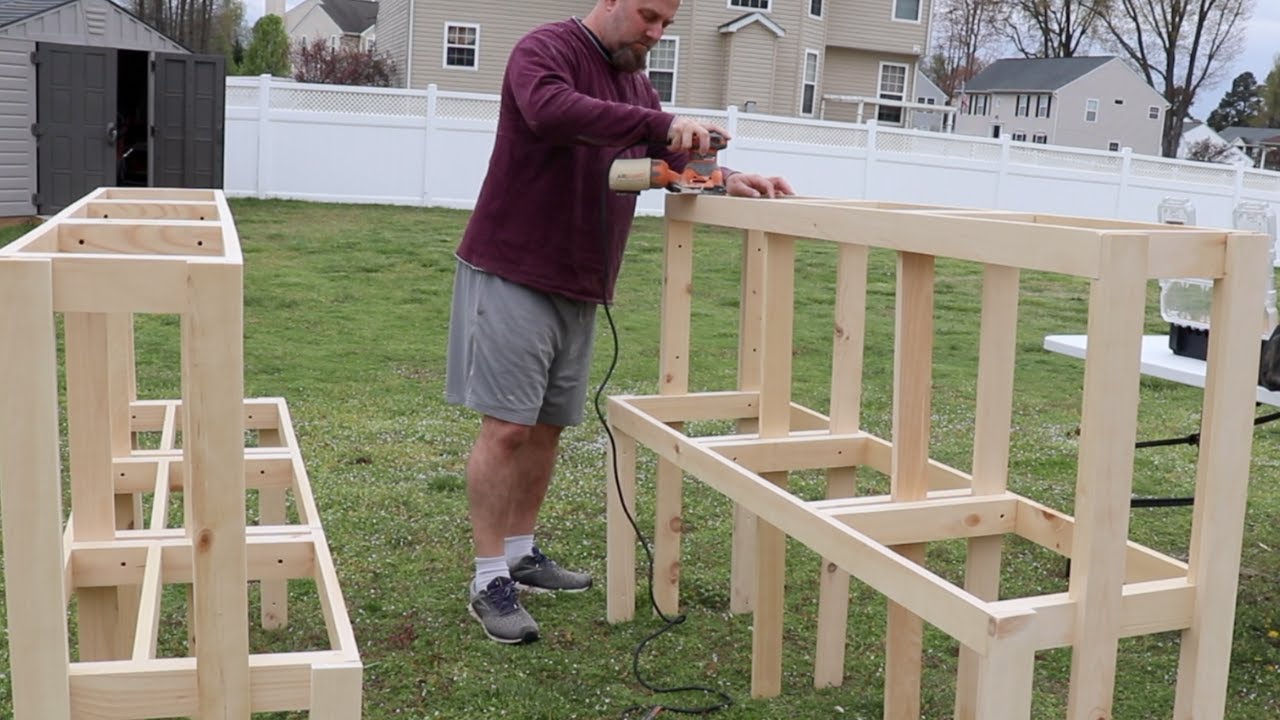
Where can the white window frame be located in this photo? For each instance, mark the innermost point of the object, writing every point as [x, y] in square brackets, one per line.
[822, 8]
[1044, 102]
[1153, 112]
[757, 5]
[674, 69]
[902, 96]
[1040, 138]
[979, 100]
[1091, 106]
[1023, 106]
[893, 12]
[334, 42]
[1113, 146]
[805, 82]
[444, 54]
[1018, 136]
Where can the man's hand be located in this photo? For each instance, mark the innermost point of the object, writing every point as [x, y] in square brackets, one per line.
[740, 184]
[685, 134]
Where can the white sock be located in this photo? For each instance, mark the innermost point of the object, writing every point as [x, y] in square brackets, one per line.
[488, 568]
[517, 546]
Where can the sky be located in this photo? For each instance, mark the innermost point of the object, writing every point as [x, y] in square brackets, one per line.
[1262, 42]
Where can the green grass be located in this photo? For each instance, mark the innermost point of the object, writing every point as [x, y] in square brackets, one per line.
[346, 313]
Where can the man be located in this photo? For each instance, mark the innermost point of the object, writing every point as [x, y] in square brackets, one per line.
[535, 260]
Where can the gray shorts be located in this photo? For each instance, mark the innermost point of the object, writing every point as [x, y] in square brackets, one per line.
[518, 354]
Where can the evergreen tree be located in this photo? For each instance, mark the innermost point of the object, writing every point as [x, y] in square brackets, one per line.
[268, 51]
[1269, 114]
[1239, 106]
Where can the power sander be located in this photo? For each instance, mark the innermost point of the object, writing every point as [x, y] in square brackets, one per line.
[701, 175]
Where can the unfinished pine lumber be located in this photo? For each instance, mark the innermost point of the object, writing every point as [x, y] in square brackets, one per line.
[1117, 588]
[115, 253]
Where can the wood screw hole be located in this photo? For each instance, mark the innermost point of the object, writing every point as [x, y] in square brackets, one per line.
[81, 241]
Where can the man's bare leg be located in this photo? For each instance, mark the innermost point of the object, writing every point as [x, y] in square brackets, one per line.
[494, 480]
[536, 461]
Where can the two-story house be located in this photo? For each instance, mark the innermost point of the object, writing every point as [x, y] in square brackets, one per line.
[770, 56]
[1088, 102]
[341, 23]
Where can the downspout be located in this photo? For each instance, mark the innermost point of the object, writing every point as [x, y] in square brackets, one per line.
[1057, 113]
[408, 62]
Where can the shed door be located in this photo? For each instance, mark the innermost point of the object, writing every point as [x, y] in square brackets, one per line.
[17, 116]
[76, 114]
[188, 120]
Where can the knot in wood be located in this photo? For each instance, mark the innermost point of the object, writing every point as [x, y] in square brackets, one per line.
[204, 540]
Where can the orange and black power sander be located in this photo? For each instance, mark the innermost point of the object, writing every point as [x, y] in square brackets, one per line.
[701, 175]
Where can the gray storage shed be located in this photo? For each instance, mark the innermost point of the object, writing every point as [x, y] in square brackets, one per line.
[92, 96]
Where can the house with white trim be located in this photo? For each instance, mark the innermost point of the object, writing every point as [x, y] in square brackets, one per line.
[342, 23]
[1089, 102]
[780, 57]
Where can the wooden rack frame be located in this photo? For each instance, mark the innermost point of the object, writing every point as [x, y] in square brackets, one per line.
[1117, 588]
[114, 253]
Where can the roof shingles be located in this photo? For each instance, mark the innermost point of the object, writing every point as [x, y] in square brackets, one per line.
[11, 11]
[1033, 74]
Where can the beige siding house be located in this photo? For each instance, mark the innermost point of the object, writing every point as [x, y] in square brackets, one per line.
[771, 56]
[1089, 102]
[346, 23]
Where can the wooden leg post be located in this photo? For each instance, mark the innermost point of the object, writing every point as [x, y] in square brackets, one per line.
[913, 364]
[775, 421]
[213, 449]
[1105, 475]
[620, 575]
[336, 691]
[996, 354]
[271, 511]
[846, 413]
[742, 570]
[1222, 477]
[31, 493]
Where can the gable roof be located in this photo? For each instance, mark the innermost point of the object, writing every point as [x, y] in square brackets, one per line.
[922, 79]
[11, 11]
[1034, 74]
[351, 16]
[737, 24]
[1250, 135]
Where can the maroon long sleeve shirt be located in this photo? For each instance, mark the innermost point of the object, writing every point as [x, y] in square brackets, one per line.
[565, 114]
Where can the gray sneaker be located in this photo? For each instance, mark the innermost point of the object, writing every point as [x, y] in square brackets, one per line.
[499, 612]
[538, 573]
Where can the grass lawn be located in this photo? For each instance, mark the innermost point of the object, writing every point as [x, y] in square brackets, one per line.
[346, 316]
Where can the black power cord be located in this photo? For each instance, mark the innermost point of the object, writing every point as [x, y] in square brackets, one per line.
[668, 622]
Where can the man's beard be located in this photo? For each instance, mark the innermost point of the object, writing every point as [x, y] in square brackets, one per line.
[628, 59]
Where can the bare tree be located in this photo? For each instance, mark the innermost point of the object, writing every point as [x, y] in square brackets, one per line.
[199, 25]
[1210, 151]
[1178, 46]
[1052, 28]
[966, 32]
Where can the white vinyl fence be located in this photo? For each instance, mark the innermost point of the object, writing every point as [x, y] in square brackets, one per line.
[431, 148]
